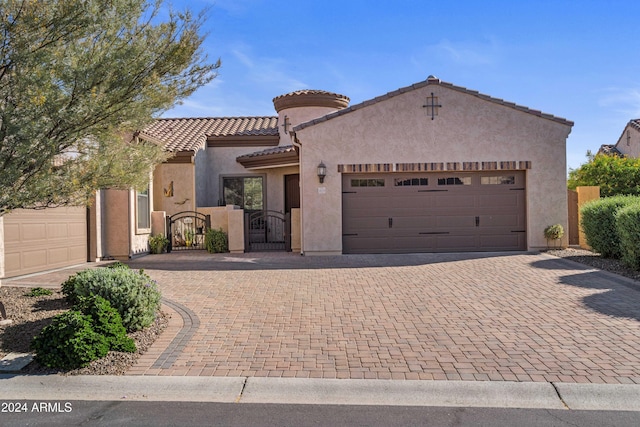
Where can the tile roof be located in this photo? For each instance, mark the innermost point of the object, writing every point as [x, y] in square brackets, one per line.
[310, 98]
[635, 124]
[431, 81]
[282, 149]
[191, 134]
[283, 155]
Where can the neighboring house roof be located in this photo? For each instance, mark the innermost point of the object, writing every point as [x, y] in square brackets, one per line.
[610, 150]
[191, 134]
[633, 124]
[431, 81]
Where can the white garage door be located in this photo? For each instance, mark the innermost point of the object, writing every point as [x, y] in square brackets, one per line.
[434, 212]
[40, 240]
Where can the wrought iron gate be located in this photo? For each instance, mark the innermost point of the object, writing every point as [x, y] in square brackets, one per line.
[267, 231]
[186, 230]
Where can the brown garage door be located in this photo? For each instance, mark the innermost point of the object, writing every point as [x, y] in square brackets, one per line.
[433, 212]
[40, 240]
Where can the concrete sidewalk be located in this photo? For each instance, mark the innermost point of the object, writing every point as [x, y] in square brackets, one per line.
[621, 397]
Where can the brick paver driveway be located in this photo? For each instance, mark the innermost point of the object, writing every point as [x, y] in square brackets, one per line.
[502, 317]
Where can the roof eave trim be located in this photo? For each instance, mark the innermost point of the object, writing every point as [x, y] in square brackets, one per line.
[290, 158]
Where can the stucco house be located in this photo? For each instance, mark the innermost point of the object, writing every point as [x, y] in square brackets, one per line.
[628, 144]
[431, 167]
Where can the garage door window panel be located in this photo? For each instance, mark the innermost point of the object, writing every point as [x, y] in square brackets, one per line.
[498, 180]
[455, 180]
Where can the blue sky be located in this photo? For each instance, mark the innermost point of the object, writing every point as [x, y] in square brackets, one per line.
[575, 59]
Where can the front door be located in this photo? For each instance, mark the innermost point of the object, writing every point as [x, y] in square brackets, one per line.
[291, 192]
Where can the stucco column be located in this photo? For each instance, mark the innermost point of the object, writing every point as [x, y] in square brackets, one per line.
[159, 223]
[236, 230]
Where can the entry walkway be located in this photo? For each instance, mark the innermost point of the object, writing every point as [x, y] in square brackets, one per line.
[476, 317]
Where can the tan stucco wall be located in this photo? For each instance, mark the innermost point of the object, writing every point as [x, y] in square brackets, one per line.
[121, 238]
[184, 191]
[236, 231]
[630, 147]
[158, 223]
[116, 229]
[298, 115]
[296, 242]
[399, 130]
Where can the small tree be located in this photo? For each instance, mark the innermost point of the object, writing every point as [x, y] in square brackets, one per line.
[613, 174]
[77, 78]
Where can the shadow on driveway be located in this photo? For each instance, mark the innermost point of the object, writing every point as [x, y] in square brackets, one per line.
[203, 261]
[620, 296]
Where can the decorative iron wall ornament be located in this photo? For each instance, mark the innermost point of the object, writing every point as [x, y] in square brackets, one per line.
[432, 105]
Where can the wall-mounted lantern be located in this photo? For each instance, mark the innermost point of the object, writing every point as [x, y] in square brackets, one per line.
[322, 172]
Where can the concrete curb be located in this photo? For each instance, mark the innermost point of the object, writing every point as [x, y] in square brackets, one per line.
[402, 393]
[90, 387]
[617, 397]
[486, 394]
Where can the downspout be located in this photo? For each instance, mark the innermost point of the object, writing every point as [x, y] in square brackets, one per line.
[298, 145]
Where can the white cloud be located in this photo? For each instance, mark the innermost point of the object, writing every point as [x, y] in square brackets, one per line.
[262, 70]
[622, 100]
[465, 53]
[242, 56]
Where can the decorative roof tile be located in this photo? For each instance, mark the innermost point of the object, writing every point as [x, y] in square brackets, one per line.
[432, 81]
[191, 134]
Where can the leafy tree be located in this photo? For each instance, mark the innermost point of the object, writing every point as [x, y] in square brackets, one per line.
[77, 78]
[615, 175]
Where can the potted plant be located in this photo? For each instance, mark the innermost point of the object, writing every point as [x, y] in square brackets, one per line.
[158, 243]
[553, 232]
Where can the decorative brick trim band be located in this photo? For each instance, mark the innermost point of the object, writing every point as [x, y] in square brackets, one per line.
[435, 167]
[363, 168]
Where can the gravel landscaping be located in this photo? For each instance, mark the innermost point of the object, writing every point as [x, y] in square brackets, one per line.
[31, 314]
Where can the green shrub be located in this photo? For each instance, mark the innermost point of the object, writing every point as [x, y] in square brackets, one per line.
[38, 292]
[554, 232]
[106, 321]
[216, 241]
[132, 293]
[69, 342]
[118, 264]
[599, 224]
[628, 227]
